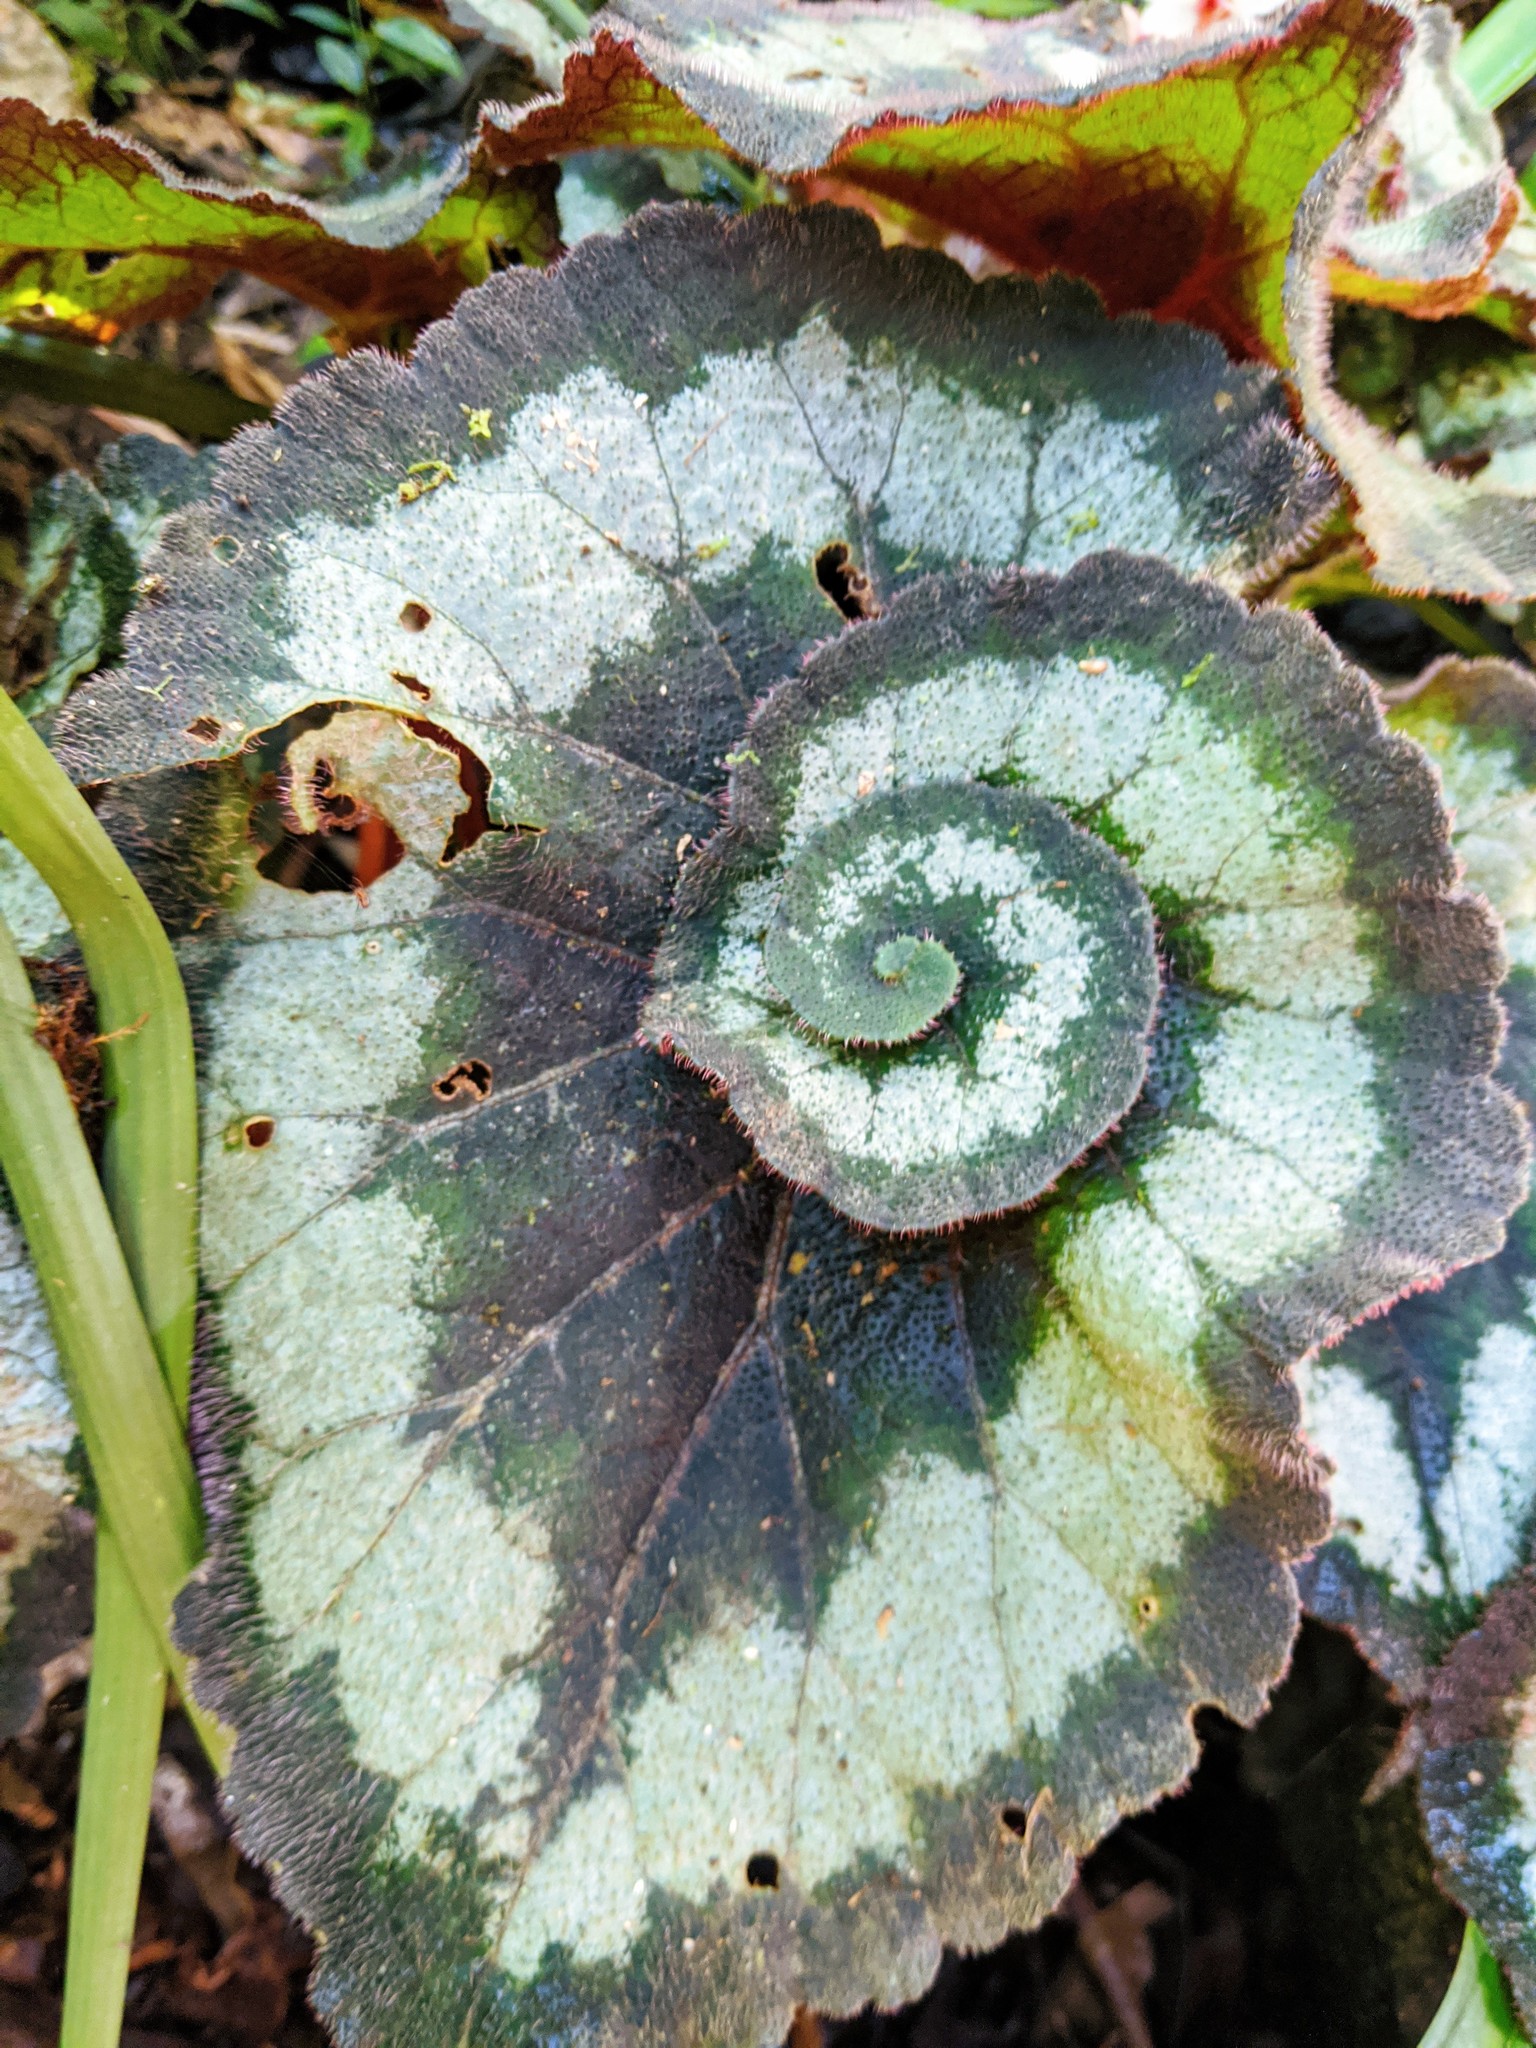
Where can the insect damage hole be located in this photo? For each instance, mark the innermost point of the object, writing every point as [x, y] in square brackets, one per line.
[204, 730]
[845, 583]
[763, 1872]
[414, 617]
[1016, 1820]
[468, 1080]
[257, 1132]
[354, 847]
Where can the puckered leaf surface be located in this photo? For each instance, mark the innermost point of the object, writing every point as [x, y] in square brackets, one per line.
[680, 422]
[1478, 1779]
[1167, 173]
[100, 235]
[1429, 1415]
[45, 1550]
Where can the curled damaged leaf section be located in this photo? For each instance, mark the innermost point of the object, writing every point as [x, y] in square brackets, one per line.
[1431, 199]
[1427, 525]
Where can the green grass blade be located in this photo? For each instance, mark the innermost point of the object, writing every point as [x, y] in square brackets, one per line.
[1475, 2011]
[149, 1170]
[131, 1430]
[149, 1162]
[122, 1740]
[1499, 55]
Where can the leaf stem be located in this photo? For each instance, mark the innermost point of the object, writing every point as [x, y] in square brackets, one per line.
[74, 373]
[124, 1709]
[1499, 55]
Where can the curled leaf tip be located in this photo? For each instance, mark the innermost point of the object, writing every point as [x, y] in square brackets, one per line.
[1037, 952]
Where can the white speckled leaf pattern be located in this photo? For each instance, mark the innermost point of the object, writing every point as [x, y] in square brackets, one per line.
[682, 417]
[646, 1601]
[1429, 1416]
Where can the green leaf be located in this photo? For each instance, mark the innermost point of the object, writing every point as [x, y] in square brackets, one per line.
[1426, 1414]
[1427, 528]
[599, 1514]
[323, 17]
[258, 10]
[86, 547]
[1020, 141]
[101, 235]
[1478, 1787]
[1475, 2011]
[419, 44]
[343, 63]
[1432, 199]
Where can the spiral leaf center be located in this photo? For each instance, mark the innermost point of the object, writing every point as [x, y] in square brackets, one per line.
[902, 992]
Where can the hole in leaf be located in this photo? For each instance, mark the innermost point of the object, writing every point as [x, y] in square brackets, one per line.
[8, 1542]
[204, 730]
[474, 780]
[763, 1872]
[258, 1132]
[470, 1079]
[1148, 1608]
[98, 260]
[845, 582]
[346, 860]
[354, 844]
[415, 617]
[1016, 1820]
[224, 548]
[414, 684]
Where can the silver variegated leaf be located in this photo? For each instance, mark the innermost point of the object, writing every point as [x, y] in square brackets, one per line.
[647, 1599]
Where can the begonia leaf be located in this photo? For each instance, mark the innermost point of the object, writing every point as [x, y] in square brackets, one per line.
[86, 546]
[647, 1599]
[1428, 527]
[1167, 173]
[1433, 199]
[1429, 1415]
[1478, 1779]
[683, 427]
[45, 1540]
[100, 235]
